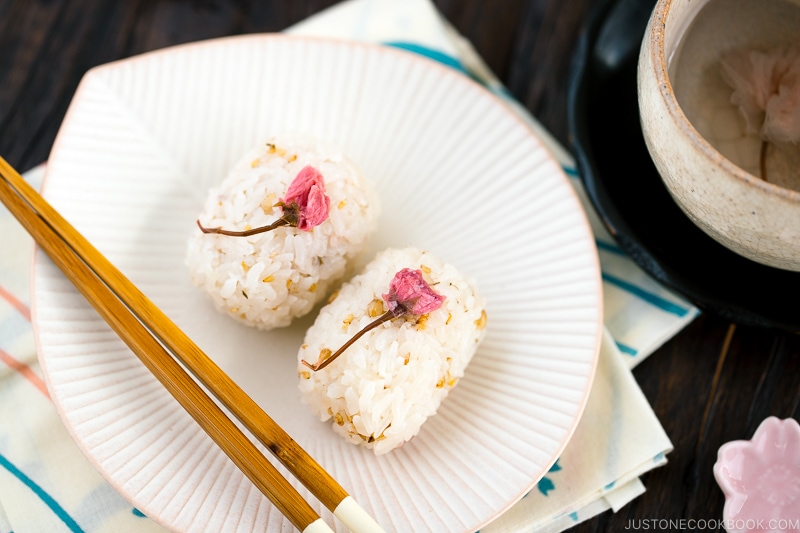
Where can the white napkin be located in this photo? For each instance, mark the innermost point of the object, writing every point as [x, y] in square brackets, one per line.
[46, 484]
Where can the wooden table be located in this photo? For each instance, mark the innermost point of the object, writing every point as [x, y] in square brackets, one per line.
[712, 383]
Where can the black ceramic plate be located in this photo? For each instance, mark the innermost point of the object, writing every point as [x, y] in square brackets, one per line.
[629, 196]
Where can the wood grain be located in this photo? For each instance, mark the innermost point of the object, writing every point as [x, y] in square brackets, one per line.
[710, 384]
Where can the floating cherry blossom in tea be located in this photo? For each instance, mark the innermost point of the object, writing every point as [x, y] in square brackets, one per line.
[736, 75]
[766, 89]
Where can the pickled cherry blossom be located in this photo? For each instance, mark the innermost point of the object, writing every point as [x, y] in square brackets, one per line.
[307, 195]
[305, 206]
[409, 294]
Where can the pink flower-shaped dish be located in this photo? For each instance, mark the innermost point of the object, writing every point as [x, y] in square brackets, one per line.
[761, 479]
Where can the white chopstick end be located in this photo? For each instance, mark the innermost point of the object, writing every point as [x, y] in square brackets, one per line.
[355, 517]
[318, 526]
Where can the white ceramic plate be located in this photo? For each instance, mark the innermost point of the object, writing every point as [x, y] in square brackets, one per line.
[458, 174]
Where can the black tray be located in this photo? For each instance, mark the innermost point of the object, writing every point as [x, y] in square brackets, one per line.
[629, 196]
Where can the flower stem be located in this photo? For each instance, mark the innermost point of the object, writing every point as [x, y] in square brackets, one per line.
[285, 220]
[763, 160]
[319, 365]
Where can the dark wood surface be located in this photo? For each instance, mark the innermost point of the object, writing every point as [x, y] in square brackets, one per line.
[712, 383]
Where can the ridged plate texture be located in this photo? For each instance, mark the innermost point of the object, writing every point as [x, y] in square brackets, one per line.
[458, 174]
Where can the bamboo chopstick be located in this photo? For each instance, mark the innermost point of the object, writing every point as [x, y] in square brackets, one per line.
[148, 331]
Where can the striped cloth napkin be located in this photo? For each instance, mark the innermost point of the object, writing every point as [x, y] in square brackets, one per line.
[46, 484]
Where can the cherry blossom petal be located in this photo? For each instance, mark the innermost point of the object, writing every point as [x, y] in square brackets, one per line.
[766, 89]
[782, 122]
[409, 292]
[307, 192]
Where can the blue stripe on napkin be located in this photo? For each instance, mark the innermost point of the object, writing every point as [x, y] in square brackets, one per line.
[430, 53]
[42, 494]
[649, 297]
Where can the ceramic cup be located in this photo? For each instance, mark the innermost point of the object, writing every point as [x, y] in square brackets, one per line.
[698, 138]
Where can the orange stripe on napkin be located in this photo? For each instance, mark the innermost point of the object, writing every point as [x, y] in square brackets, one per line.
[15, 303]
[25, 371]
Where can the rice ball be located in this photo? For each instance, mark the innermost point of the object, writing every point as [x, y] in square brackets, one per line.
[383, 387]
[268, 279]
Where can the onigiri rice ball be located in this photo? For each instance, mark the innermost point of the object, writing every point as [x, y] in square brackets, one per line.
[384, 386]
[268, 279]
